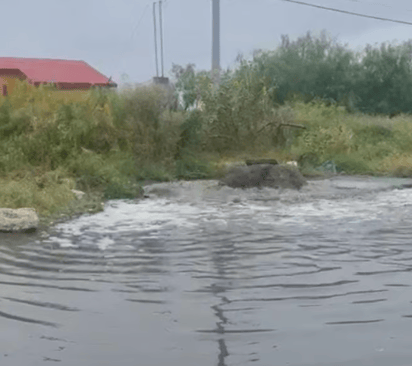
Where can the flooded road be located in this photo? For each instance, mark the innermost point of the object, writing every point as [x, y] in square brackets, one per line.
[198, 274]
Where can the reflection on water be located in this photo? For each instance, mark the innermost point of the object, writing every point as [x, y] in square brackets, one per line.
[207, 275]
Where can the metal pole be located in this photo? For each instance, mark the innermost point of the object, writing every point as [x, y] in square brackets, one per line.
[216, 40]
[161, 35]
[155, 38]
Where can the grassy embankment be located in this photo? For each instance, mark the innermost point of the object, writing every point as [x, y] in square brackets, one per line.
[109, 143]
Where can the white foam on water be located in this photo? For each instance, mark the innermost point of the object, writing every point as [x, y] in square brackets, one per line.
[104, 243]
[144, 218]
[64, 243]
[151, 218]
[358, 209]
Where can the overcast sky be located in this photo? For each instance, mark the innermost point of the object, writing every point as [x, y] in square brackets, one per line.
[116, 36]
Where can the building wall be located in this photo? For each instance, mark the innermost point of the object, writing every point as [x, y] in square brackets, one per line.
[9, 81]
[68, 93]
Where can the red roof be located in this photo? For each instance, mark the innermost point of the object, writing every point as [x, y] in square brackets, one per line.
[57, 71]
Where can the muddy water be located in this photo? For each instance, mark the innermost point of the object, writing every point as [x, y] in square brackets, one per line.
[198, 274]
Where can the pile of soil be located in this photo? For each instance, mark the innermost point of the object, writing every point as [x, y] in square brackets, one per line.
[264, 175]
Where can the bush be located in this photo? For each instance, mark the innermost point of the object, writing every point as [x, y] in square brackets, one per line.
[191, 168]
[326, 142]
[352, 164]
[190, 135]
[235, 114]
[154, 172]
[150, 138]
[118, 189]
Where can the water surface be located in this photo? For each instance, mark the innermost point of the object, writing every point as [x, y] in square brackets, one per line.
[198, 274]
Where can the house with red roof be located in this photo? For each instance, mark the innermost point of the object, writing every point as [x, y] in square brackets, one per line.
[67, 75]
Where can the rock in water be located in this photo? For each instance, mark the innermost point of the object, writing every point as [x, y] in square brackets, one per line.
[18, 220]
[264, 175]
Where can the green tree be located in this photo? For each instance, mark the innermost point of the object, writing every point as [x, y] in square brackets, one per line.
[384, 79]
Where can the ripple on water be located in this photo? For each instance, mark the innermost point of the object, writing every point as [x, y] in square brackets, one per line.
[211, 276]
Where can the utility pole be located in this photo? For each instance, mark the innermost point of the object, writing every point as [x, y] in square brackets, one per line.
[161, 35]
[155, 38]
[159, 80]
[216, 40]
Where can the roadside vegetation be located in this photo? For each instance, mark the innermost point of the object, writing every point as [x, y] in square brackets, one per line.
[312, 100]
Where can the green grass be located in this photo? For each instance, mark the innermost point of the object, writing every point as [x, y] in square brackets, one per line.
[47, 192]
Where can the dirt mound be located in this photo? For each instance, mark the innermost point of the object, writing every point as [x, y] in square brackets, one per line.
[264, 175]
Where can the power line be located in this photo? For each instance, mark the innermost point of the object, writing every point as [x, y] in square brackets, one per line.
[380, 4]
[348, 12]
[139, 22]
[134, 29]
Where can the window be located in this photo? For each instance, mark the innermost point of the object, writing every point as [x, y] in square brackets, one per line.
[4, 91]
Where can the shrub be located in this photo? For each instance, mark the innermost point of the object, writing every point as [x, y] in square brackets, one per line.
[191, 168]
[326, 142]
[190, 134]
[118, 189]
[352, 164]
